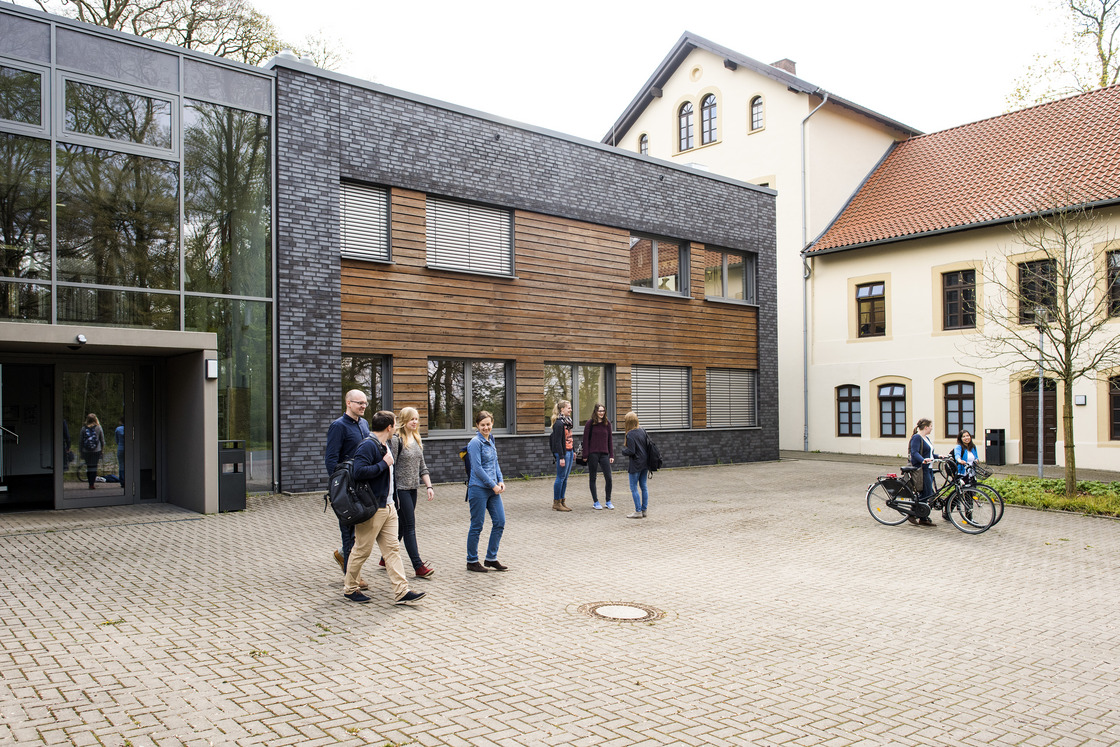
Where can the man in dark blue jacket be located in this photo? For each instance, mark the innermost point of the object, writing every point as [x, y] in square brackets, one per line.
[373, 465]
[343, 438]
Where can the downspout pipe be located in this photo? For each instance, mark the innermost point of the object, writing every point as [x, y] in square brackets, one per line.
[805, 274]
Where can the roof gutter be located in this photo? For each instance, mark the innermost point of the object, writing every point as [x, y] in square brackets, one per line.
[805, 272]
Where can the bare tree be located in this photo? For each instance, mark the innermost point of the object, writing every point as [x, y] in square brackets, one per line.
[1089, 57]
[227, 28]
[1058, 268]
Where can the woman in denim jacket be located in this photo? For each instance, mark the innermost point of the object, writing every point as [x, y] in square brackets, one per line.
[484, 494]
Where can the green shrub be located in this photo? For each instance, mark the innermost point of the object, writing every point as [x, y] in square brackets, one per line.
[1100, 498]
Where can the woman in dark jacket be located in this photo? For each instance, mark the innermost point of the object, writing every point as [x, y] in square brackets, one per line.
[598, 447]
[562, 451]
[921, 454]
[636, 446]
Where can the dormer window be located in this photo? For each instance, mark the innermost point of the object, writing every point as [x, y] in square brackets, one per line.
[758, 116]
[684, 119]
[709, 132]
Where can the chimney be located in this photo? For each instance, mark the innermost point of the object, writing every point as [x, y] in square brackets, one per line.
[786, 64]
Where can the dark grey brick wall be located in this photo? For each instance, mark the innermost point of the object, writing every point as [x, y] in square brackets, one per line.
[333, 127]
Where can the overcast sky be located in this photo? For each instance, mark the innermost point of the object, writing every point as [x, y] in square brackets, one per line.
[572, 65]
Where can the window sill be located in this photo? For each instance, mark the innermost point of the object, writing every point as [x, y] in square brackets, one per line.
[661, 293]
[370, 260]
[461, 271]
[730, 301]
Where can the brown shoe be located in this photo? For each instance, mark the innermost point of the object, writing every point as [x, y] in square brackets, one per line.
[338, 558]
[362, 584]
[561, 507]
[496, 565]
[476, 567]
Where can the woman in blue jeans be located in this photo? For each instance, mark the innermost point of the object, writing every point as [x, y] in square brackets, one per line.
[484, 494]
[636, 446]
[562, 451]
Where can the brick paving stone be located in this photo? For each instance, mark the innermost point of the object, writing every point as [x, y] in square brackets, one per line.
[792, 618]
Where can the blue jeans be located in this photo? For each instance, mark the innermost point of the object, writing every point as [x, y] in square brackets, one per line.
[347, 533]
[639, 478]
[560, 487]
[483, 500]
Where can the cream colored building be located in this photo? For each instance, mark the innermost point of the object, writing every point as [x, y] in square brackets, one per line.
[896, 276]
[717, 110]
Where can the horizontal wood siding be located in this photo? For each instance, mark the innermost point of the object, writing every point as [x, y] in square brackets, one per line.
[570, 300]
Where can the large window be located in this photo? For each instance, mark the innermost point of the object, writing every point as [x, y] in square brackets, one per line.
[469, 237]
[1036, 288]
[659, 264]
[730, 275]
[21, 96]
[1112, 259]
[758, 118]
[118, 115]
[871, 309]
[373, 375]
[25, 207]
[1114, 408]
[364, 213]
[227, 223]
[457, 389]
[709, 130]
[662, 396]
[732, 397]
[582, 384]
[684, 126]
[959, 299]
[848, 414]
[960, 408]
[892, 411]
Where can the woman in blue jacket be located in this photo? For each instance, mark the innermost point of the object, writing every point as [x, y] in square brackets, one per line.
[964, 453]
[484, 494]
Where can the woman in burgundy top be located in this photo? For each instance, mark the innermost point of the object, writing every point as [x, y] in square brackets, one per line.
[598, 447]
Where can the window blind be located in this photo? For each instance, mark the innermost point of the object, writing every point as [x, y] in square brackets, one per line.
[365, 222]
[732, 397]
[661, 395]
[463, 236]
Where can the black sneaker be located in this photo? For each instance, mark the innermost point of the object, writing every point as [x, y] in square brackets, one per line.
[357, 596]
[411, 596]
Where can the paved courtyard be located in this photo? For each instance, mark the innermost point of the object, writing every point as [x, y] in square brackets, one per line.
[791, 618]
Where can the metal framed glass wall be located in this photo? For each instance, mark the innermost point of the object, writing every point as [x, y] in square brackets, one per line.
[136, 191]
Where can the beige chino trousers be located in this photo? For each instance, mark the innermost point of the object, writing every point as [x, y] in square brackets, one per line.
[382, 528]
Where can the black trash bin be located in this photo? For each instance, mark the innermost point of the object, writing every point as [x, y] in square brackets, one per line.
[994, 447]
[231, 476]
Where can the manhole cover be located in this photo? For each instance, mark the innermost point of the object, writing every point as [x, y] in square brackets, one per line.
[622, 611]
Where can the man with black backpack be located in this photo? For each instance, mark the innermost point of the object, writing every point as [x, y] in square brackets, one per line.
[343, 438]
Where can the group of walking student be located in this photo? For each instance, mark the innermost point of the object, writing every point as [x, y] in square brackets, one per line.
[598, 450]
[388, 458]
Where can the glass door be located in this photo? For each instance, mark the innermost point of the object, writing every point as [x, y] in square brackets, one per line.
[96, 404]
[26, 437]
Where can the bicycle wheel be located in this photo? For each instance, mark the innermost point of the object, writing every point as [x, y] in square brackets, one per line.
[971, 511]
[995, 496]
[877, 498]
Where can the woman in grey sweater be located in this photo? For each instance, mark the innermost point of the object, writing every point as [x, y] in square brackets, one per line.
[409, 470]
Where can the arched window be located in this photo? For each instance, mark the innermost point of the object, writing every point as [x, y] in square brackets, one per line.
[960, 408]
[684, 119]
[643, 145]
[708, 130]
[758, 117]
[1114, 407]
[848, 415]
[892, 411]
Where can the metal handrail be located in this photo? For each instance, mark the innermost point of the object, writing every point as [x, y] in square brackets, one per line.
[9, 432]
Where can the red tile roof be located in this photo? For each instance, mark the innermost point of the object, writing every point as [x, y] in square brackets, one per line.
[994, 169]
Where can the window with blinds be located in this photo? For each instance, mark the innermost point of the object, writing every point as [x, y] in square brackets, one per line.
[365, 222]
[467, 237]
[662, 396]
[732, 397]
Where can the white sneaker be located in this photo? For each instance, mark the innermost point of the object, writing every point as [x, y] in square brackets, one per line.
[596, 506]
[635, 515]
[610, 506]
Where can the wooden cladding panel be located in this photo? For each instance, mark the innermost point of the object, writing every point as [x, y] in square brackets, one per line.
[570, 300]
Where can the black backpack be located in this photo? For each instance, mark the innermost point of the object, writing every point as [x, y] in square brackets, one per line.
[352, 501]
[466, 457]
[653, 456]
[90, 441]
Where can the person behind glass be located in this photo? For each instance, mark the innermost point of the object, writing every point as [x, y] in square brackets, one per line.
[118, 434]
[921, 454]
[964, 454]
[484, 494]
[599, 448]
[91, 432]
[636, 446]
[343, 437]
[562, 451]
[373, 465]
[408, 471]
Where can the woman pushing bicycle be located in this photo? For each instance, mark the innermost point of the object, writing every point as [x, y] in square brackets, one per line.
[921, 454]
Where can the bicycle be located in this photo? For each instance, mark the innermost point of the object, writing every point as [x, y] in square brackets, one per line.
[975, 472]
[891, 501]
